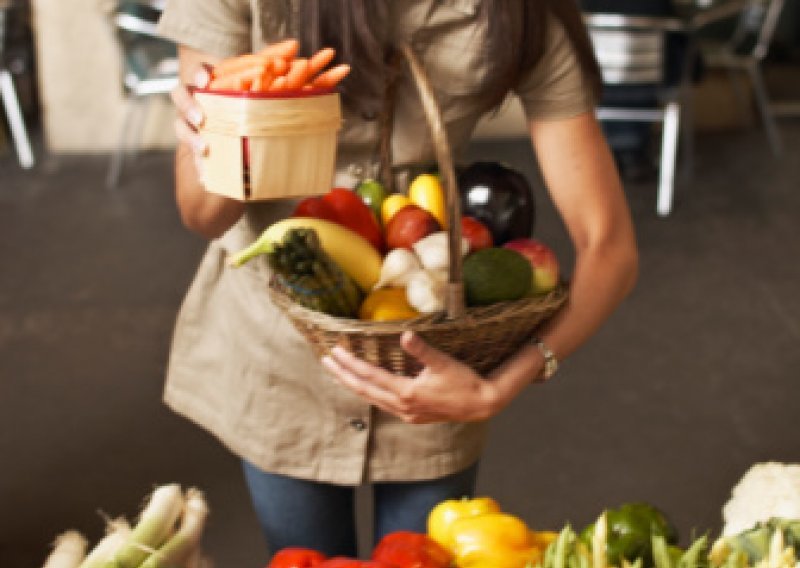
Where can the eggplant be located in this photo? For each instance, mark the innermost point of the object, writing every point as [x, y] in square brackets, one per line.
[500, 197]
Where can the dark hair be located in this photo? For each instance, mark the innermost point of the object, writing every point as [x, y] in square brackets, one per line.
[359, 30]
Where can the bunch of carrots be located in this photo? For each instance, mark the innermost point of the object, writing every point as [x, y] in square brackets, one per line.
[277, 69]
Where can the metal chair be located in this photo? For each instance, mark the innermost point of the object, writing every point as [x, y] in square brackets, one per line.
[744, 51]
[10, 101]
[631, 52]
[150, 68]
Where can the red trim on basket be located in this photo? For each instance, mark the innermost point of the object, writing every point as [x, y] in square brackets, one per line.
[263, 95]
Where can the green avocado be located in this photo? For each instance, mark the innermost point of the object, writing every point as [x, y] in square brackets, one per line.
[494, 275]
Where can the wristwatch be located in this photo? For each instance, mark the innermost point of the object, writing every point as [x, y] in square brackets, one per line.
[550, 361]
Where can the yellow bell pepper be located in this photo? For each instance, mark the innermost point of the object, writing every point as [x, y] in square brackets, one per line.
[443, 515]
[386, 304]
[426, 191]
[496, 540]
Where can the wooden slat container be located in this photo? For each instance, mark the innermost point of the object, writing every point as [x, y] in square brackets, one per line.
[263, 147]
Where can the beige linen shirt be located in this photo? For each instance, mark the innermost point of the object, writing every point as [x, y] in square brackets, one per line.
[237, 367]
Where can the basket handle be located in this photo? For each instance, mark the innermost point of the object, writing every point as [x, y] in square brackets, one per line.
[454, 299]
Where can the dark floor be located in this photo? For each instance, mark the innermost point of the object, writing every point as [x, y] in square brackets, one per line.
[690, 382]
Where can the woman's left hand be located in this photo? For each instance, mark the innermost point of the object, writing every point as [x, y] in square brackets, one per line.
[445, 390]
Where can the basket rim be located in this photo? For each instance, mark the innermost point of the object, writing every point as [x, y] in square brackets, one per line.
[473, 317]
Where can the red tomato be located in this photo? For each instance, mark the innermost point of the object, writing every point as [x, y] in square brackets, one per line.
[295, 557]
[354, 214]
[405, 548]
[317, 208]
[476, 233]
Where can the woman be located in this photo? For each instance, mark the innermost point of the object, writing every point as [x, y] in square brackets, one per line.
[241, 371]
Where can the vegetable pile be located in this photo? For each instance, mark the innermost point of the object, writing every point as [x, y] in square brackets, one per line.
[167, 535]
[277, 69]
[476, 533]
[395, 249]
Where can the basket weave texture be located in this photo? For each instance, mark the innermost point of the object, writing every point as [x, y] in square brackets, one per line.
[481, 337]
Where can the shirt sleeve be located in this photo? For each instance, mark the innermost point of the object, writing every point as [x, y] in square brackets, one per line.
[216, 27]
[556, 86]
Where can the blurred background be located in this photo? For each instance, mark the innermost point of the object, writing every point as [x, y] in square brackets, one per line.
[690, 382]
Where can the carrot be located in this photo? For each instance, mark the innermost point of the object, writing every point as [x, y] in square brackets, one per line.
[278, 85]
[280, 65]
[241, 80]
[287, 49]
[331, 77]
[320, 60]
[297, 75]
[236, 64]
[263, 81]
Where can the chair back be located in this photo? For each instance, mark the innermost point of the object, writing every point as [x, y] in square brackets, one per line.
[146, 57]
[630, 50]
[755, 28]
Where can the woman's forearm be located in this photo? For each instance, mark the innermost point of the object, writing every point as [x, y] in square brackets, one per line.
[604, 274]
[207, 214]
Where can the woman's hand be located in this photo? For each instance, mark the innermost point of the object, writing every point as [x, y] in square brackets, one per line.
[445, 391]
[208, 214]
[190, 116]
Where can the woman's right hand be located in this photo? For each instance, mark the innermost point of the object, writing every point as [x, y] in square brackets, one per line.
[205, 213]
[190, 116]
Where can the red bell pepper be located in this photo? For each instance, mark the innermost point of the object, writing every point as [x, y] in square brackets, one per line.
[296, 557]
[406, 549]
[317, 208]
[354, 214]
[345, 207]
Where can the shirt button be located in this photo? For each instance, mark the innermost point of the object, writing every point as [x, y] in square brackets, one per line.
[358, 424]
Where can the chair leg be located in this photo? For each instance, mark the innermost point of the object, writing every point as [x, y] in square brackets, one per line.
[15, 120]
[118, 157]
[764, 110]
[669, 152]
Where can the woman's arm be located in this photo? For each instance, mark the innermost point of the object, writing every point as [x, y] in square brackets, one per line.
[585, 187]
[205, 213]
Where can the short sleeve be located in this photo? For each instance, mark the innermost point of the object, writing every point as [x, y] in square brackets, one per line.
[217, 27]
[556, 86]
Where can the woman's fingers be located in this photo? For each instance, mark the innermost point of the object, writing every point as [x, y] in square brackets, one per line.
[430, 357]
[354, 374]
[190, 137]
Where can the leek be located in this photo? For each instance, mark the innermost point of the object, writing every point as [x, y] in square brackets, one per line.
[176, 552]
[117, 533]
[155, 526]
[69, 550]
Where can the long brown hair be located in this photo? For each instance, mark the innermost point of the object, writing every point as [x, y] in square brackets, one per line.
[516, 38]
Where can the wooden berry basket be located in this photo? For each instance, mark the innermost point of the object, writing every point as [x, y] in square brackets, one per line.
[262, 146]
[481, 337]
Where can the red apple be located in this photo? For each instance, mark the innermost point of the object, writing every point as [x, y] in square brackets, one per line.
[476, 233]
[544, 263]
[409, 225]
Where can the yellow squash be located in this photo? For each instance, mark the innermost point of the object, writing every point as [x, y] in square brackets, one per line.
[353, 253]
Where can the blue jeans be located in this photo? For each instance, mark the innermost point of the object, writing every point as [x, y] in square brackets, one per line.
[321, 516]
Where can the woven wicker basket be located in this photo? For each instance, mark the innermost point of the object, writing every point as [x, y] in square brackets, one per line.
[480, 337]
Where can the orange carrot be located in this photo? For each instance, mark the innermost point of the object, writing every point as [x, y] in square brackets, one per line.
[278, 85]
[280, 65]
[287, 49]
[320, 60]
[297, 75]
[331, 77]
[263, 81]
[236, 64]
[241, 80]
